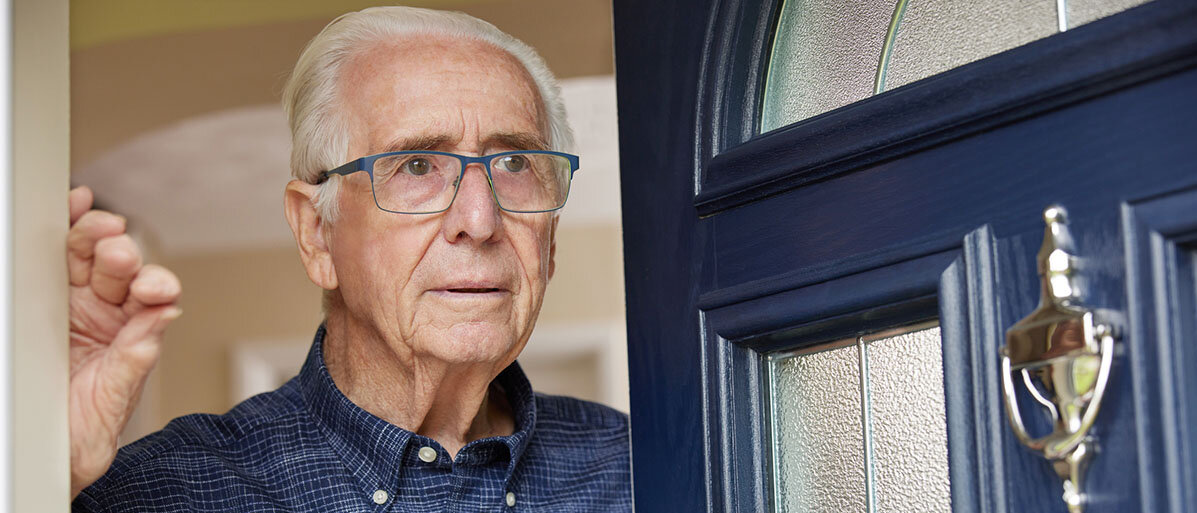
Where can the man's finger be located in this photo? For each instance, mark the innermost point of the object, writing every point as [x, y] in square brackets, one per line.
[154, 285]
[79, 199]
[117, 261]
[89, 229]
[133, 354]
[137, 345]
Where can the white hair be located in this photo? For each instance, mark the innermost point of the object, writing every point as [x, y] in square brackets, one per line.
[319, 130]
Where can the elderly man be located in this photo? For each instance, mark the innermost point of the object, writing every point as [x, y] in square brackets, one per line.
[425, 205]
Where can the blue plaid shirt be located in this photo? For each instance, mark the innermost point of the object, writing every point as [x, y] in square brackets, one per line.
[306, 447]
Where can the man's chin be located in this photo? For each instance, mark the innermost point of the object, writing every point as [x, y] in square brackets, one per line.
[473, 342]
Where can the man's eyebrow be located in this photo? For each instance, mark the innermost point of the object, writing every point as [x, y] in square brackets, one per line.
[516, 141]
[417, 143]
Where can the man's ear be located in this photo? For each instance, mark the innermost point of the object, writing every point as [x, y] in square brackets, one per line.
[309, 230]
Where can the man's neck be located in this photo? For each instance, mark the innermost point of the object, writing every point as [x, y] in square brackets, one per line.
[452, 404]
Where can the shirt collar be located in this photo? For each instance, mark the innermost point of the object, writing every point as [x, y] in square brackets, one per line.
[375, 451]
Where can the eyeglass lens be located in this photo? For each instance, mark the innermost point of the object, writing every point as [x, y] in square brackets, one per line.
[418, 183]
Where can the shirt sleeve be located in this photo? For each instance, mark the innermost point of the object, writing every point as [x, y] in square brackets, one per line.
[86, 502]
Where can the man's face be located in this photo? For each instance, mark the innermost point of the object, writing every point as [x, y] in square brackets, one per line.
[465, 285]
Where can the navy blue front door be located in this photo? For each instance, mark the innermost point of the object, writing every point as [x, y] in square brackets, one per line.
[924, 202]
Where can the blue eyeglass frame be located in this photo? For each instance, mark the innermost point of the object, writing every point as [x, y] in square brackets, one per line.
[367, 164]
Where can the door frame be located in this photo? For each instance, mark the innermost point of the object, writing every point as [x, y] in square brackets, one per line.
[35, 164]
[705, 150]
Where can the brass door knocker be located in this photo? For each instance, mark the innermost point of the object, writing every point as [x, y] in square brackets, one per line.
[1062, 358]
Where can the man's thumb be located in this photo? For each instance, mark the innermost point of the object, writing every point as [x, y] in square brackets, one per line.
[138, 343]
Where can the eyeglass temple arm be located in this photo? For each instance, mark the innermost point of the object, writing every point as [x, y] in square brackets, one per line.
[345, 169]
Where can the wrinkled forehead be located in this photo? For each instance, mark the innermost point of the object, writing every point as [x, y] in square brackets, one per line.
[439, 81]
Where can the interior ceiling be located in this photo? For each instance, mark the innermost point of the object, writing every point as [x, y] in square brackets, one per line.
[175, 122]
[97, 22]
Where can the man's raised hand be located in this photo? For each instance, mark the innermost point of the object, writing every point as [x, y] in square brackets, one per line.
[119, 309]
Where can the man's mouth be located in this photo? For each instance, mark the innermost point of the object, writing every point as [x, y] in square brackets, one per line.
[473, 290]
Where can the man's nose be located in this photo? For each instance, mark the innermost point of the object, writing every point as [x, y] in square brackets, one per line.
[474, 215]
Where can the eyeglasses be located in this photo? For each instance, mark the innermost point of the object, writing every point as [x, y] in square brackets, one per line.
[426, 182]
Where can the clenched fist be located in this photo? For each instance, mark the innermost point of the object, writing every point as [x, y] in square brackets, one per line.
[119, 310]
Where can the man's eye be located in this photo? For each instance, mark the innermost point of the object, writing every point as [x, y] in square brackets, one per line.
[417, 167]
[513, 163]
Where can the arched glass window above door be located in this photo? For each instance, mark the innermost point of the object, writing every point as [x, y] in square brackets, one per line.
[829, 53]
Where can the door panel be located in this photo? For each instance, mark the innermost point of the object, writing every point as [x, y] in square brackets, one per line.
[924, 202]
[1161, 264]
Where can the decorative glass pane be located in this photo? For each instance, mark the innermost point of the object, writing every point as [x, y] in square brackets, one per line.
[818, 439]
[860, 425]
[908, 422]
[824, 56]
[829, 53]
[934, 36]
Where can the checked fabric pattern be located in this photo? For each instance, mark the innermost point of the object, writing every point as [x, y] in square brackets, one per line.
[306, 447]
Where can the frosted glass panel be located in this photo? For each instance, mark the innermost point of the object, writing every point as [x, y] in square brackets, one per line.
[819, 463]
[1081, 12]
[824, 56]
[828, 53]
[859, 425]
[908, 422]
[937, 35]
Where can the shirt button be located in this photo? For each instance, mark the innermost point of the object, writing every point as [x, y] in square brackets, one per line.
[511, 499]
[427, 454]
[380, 496]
